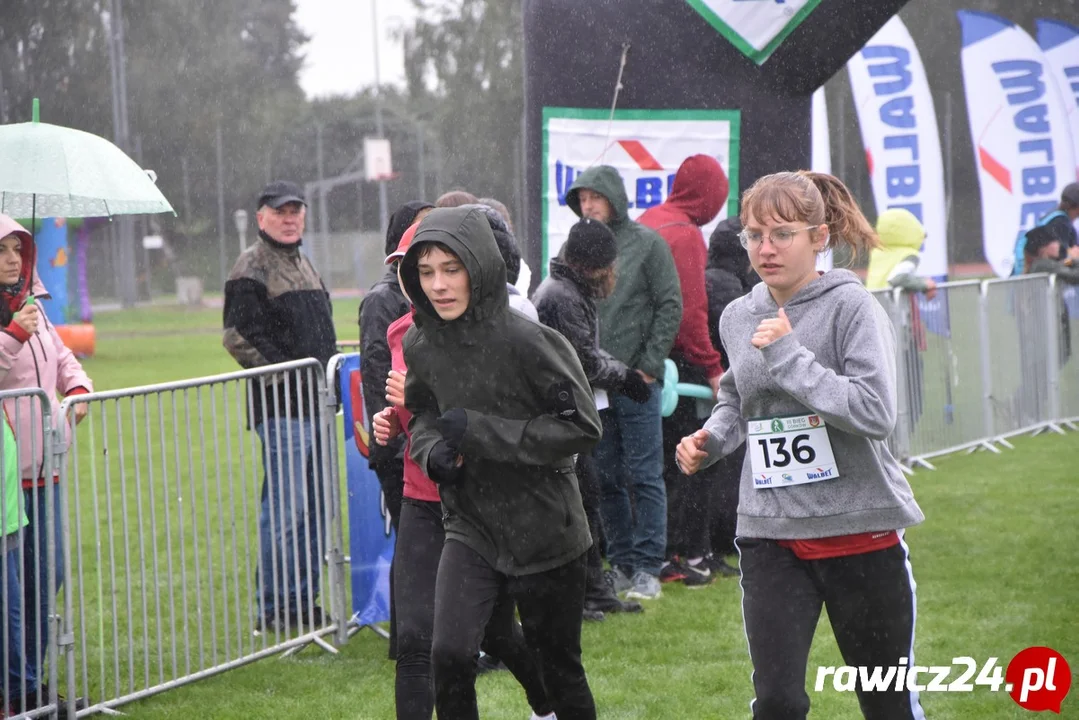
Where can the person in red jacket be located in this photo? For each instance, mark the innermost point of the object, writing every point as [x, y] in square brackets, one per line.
[699, 192]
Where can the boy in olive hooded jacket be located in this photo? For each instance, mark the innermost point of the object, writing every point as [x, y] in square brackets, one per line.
[500, 406]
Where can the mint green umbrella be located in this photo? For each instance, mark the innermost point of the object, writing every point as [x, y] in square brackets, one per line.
[53, 171]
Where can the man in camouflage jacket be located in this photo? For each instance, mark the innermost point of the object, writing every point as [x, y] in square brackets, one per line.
[276, 310]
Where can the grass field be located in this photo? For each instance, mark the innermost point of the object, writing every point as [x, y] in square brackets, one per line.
[995, 565]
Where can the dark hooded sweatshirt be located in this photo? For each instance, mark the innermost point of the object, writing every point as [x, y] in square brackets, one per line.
[382, 305]
[699, 192]
[566, 302]
[639, 321]
[729, 276]
[527, 400]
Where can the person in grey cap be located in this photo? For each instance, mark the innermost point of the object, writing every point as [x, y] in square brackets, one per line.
[276, 310]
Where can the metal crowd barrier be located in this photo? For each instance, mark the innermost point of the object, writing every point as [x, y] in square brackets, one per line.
[1068, 376]
[30, 556]
[982, 361]
[173, 550]
[153, 537]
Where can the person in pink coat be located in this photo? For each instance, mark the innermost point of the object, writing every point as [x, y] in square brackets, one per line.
[33, 355]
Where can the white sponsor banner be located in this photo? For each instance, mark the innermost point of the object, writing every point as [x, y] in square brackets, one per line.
[900, 135]
[645, 146]
[1060, 43]
[1022, 147]
[756, 27]
[820, 154]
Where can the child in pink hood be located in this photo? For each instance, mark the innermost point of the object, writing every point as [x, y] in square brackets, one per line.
[33, 355]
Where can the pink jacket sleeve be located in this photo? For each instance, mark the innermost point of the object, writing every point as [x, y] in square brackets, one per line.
[69, 372]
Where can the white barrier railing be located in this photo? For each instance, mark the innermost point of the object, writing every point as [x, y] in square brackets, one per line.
[982, 361]
[199, 527]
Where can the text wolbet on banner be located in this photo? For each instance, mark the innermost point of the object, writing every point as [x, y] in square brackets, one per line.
[1022, 147]
[899, 132]
[645, 146]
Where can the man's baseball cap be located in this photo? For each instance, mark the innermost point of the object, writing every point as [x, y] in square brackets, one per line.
[402, 246]
[280, 192]
[1071, 193]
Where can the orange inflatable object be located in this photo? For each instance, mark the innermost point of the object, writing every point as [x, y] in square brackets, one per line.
[78, 338]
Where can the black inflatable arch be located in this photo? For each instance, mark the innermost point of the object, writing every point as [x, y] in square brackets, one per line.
[678, 61]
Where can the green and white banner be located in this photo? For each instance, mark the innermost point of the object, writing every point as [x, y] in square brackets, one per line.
[756, 27]
[645, 146]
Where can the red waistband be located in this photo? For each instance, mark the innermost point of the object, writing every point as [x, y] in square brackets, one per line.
[27, 483]
[841, 545]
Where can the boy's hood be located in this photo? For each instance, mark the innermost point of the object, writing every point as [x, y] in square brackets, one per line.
[466, 232]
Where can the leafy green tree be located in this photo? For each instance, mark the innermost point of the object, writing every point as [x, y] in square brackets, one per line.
[463, 64]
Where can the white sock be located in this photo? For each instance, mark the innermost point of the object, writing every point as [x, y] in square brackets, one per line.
[696, 561]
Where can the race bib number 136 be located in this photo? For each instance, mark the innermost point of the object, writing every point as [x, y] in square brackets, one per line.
[790, 451]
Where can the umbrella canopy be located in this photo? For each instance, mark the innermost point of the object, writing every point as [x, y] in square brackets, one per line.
[53, 171]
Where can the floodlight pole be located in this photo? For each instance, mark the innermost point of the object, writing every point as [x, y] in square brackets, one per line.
[126, 237]
[383, 209]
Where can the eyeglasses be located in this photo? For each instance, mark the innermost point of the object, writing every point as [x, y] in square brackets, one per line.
[781, 238]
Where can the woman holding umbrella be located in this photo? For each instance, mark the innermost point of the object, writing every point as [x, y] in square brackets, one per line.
[33, 355]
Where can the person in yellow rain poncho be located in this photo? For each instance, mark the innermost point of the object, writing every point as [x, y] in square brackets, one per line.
[894, 265]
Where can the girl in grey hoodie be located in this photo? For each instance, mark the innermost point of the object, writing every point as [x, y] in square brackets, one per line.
[812, 391]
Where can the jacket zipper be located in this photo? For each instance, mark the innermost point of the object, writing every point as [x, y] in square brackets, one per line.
[37, 373]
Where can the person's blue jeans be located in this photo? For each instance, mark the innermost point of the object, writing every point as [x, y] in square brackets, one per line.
[36, 603]
[629, 459]
[15, 666]
[291, 516]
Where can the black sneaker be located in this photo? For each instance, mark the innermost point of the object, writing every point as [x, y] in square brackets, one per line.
[593, 615]
[672, 571]
[618, 580]
[276, 624]
[486, 663]
[313, 620]
[720, 567]
[15, 705]
[697, 576]
[612, 604]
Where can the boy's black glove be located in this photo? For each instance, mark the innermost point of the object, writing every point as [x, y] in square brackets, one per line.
[453, 424]
[442, 464]
[635, 387]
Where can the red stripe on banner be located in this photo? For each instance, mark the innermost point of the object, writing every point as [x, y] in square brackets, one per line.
[640, 155]
[997, 171]
[869, 160]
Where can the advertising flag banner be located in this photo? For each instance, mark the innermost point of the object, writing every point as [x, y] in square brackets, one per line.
[1019, 128]
[900, 135]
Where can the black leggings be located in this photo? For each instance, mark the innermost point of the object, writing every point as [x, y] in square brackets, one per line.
[590, 498]
[870, 603]
[420, 543]
[469, 593]
[689, 500]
